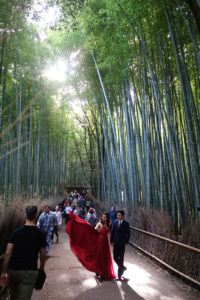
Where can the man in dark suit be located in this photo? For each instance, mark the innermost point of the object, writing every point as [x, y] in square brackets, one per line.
[120, 234]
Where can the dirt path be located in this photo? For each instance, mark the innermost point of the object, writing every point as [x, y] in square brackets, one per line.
[68, 280]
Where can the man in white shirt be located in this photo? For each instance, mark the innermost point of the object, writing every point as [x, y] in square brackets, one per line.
[58, 215]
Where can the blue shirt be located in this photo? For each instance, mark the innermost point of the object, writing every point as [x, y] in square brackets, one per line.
[112, 215]
[46, 221]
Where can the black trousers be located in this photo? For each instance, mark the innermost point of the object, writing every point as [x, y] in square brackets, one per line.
[67, 218]
[55, 231]
[118, 253]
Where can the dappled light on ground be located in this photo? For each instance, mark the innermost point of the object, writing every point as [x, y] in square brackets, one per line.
[89, 283]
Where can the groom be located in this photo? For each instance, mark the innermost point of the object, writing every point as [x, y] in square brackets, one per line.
[120, 234]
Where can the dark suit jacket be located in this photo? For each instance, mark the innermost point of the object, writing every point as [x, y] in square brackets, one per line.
[120, 235]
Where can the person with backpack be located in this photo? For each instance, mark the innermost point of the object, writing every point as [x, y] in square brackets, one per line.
[91, 217]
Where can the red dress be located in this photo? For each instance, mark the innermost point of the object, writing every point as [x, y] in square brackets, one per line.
[90, 246]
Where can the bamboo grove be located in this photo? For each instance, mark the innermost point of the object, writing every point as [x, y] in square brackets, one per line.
[140, 66]
[137, 75]
[33, 129]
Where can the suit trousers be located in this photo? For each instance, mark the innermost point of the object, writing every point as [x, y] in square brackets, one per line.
[118, 253]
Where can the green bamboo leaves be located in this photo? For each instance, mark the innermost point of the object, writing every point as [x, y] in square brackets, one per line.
[147, 93]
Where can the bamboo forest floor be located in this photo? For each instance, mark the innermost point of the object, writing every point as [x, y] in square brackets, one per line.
[68, 280]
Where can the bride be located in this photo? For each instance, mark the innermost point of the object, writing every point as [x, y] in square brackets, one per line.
[91, 245]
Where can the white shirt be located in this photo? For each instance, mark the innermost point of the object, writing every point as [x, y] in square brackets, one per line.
[89, 216]
[68, 209]
[120, 223]
[58, 216]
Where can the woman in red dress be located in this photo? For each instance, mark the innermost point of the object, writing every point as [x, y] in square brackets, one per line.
[91, 245]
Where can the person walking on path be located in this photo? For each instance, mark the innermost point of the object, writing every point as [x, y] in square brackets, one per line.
[66, 213]
[46, 223]
[112, 215]
[21, 256]
[58, 215]
[82, 202]
[81, 213]
[91, 217]
[74, 210]
[120, 234]
[87, 203]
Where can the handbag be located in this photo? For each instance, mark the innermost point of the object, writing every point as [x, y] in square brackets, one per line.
[40, 279]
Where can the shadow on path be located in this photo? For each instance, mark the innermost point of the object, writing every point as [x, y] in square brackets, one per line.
[112, 290]
[129, 293]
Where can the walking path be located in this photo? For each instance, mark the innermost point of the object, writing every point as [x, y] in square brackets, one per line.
[68, 280]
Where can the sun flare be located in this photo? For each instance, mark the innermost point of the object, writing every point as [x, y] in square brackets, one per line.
[58, 71]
